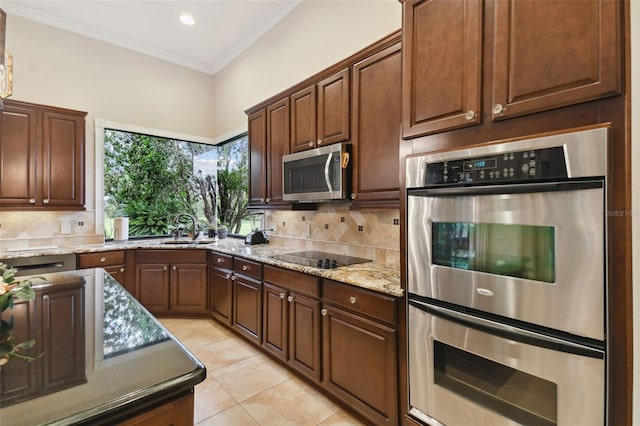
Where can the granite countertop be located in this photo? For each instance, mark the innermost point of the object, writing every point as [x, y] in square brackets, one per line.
[370, 275]
[120, 359]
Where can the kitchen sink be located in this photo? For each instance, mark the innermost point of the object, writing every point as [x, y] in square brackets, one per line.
[188, 241]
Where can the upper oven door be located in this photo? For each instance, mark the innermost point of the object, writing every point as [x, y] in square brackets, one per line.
[531, 252]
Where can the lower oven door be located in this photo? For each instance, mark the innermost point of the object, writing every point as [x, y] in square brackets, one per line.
[462, 373]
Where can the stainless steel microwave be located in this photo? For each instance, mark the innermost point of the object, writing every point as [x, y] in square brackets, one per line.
[320, 174]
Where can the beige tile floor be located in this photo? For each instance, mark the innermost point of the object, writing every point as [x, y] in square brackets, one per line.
[245, 387]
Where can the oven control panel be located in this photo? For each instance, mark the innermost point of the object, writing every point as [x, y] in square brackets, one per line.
[536, 164]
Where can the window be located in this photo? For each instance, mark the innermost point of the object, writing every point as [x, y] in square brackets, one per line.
[152, 179]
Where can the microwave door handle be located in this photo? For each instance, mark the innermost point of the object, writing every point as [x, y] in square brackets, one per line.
[326, 172]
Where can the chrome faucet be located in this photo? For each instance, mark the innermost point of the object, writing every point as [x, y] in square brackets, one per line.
[193, 222]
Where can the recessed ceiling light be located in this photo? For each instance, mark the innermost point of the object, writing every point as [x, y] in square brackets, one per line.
[187, 19]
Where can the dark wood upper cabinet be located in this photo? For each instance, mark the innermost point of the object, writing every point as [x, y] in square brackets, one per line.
[442, 42]
[320, 113]
[564, 53]
[333, 109]
[303, 119]
[41, 157]
[376, 118]
[257, 157]
[277, 146]
[268, 142]
[535, 59]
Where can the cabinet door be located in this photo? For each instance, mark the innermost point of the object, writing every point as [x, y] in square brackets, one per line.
[18, 378]
[360, 364]
[178, 412]
[188, 288]
[257, 157]
[152, 286]
[377, 111]
[442, 52]
[63, 167]
[117, 272]
[304, 335]
[247, 307]
[220, 288]
[275, 320]
[303, 119]
[333, 109]
[18, 137]
[564, 53]
[63, 338]
[277, 146]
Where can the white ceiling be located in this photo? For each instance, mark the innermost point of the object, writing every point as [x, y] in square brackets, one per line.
[223, 28]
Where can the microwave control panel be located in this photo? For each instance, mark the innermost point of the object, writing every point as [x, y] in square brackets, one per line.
[537, 164]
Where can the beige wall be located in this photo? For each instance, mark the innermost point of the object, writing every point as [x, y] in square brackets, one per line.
[315, 35]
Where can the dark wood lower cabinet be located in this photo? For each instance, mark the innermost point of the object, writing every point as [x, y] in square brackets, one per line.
[274, 321]
[178, 412]
[172, 281]
[360, 364]
[247, 307]
[304, 336]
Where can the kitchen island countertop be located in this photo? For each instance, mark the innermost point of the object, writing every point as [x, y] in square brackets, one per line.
[373, 275]
[128, 361]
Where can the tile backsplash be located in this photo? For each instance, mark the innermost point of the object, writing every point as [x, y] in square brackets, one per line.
[24, 230]
[334, 228]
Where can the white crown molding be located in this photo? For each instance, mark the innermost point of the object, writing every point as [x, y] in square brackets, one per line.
[251, 37]
[12, 7]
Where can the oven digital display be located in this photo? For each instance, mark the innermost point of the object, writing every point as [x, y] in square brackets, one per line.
[520, 251]
[487, 163]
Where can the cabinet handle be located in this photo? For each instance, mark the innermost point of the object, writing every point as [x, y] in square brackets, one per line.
[266, 200]
[164, 268]
[228, 276]
[121, 269]
[103, 259]
[233, 278]
[498, 109]
[46, 201]
[319, 142]
[323, 312]
[262, 200]
[174, 267]
[282, 295]
[470, 115]
[353, 195]
[32, 201]
[290, 299]
[45, 297]
[245, 267]
[310, 143]
[220, 260]
[352, 300]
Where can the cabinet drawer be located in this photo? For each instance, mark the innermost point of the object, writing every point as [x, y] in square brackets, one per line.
[171, 256]
[99, 260]
[220, 260]
[247, 267]
[292, 280]
[375, 305]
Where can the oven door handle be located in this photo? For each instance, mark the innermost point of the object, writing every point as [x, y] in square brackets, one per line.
[522, 188]
[508, 331]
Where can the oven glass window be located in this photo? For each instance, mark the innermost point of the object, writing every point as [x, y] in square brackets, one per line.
[520, 251]
[526, 399]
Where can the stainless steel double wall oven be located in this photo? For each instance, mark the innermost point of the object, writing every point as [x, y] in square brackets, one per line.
[506, 271]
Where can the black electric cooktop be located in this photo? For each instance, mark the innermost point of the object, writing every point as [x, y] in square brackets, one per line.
[320, 259]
